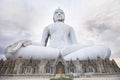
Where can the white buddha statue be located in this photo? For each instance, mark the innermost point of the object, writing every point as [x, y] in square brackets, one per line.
[61, 39]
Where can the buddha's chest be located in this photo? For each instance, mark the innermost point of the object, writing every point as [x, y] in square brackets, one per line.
[59, 30]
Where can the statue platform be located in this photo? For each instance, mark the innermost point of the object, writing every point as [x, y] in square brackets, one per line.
[58, 66]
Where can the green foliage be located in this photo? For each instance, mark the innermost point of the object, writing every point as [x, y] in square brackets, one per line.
[61, 79]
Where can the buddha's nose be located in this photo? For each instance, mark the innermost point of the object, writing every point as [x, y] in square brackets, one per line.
[58, 13]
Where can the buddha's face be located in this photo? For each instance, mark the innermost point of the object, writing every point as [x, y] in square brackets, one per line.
[59, 16]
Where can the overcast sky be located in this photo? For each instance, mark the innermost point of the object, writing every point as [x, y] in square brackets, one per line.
[96, 22]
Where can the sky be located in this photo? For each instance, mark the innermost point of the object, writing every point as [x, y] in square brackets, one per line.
[96, 22]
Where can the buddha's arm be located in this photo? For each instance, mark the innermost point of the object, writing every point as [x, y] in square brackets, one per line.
[45, 37]
[72, 36]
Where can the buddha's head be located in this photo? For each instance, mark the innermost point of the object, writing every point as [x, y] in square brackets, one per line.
[59, 16]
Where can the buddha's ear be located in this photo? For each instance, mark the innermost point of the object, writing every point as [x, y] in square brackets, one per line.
[54, 19]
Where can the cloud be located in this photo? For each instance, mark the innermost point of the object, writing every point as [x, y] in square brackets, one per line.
[103, 25]
[1, 50]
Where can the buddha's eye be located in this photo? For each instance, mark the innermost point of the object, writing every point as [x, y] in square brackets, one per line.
[61, 12]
